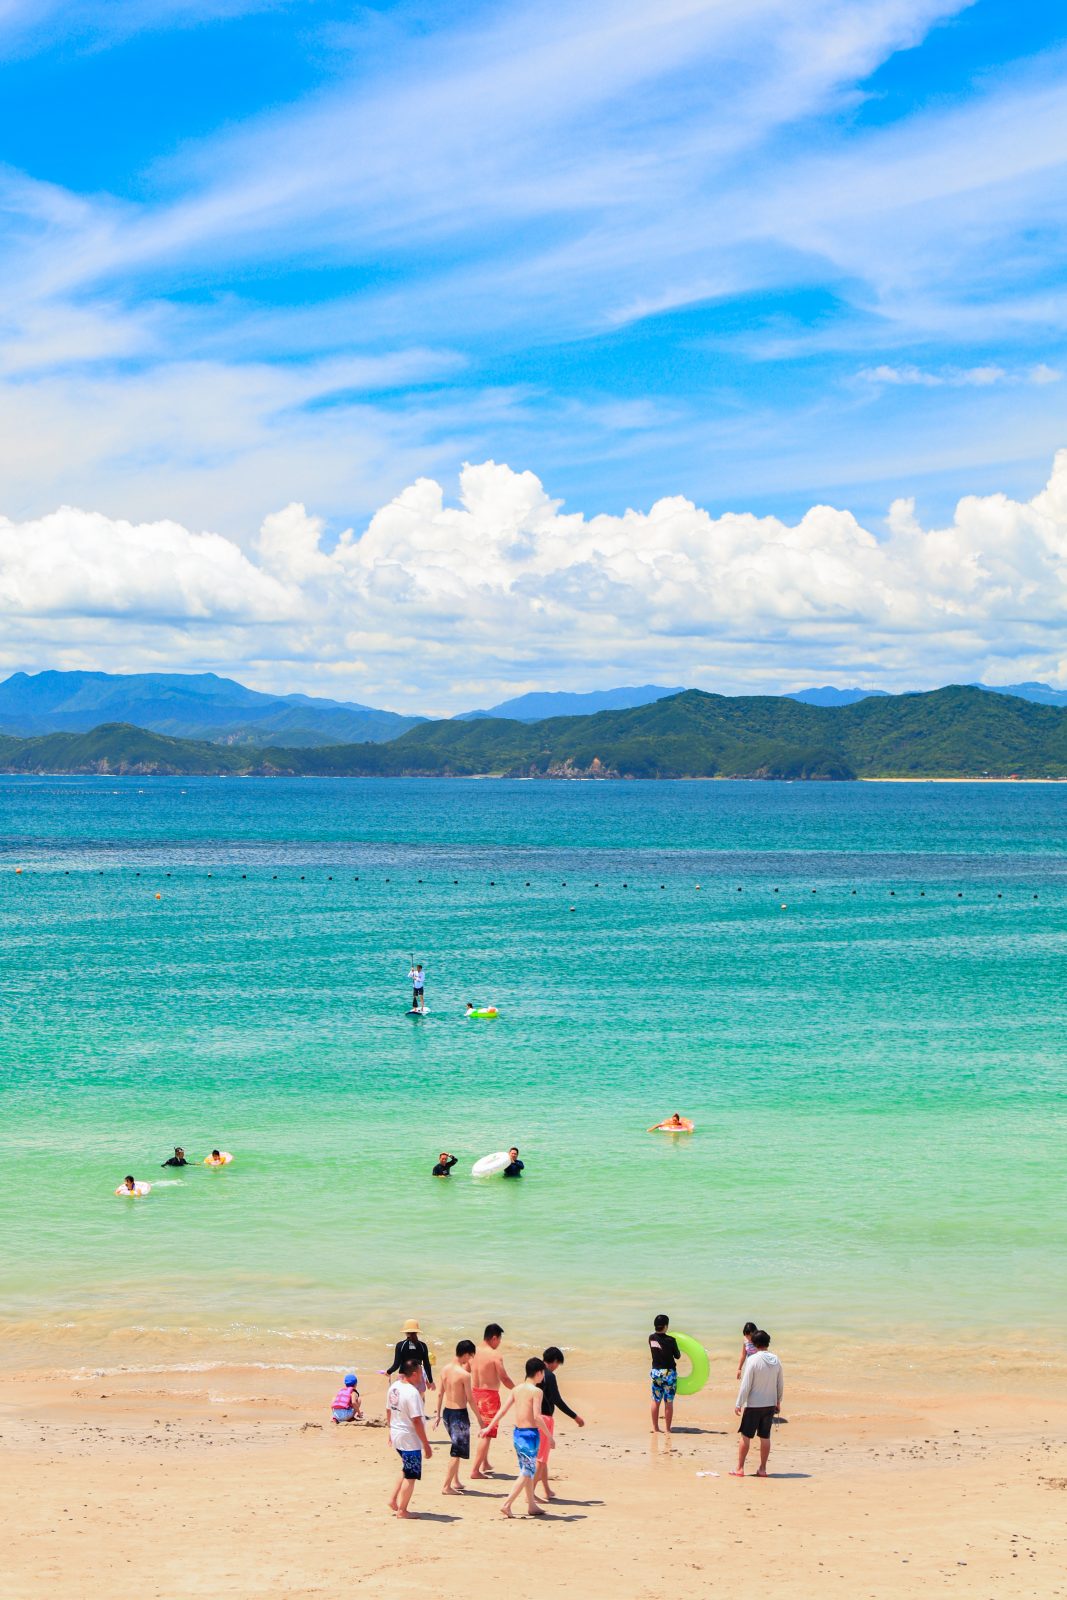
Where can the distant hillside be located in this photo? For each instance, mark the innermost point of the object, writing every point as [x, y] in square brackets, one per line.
[956, 732]
[829, 696]
[535, 707]
[116, 748]
[945, 733]
[1042, 693]
[199, 706]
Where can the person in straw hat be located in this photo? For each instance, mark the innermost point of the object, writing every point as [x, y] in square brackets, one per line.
[413, 1348]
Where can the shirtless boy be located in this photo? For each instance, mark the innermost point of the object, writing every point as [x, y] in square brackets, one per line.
[530, 1431]
[487, 1374]
[456, 1399]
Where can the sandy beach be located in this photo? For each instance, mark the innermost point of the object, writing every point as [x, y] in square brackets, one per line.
[237, 1483]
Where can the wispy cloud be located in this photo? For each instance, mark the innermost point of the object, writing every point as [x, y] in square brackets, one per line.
[397, 269]
[957, 377]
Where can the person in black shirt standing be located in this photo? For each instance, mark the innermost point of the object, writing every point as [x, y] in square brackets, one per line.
[551, 1402]
[665, 1356]
[177, 1159]
[514, 1166]
[443, 1169]
[412, 1348]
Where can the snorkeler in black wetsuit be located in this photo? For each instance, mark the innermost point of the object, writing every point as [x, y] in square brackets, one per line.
[443, 1169]
[177, 1159]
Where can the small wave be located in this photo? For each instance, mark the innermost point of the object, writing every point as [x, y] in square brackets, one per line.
[84, 1374]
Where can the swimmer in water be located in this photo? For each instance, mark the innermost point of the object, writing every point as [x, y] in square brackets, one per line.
[514, 1167]
[215, 1160]
[444, 1166]
[177, 1159]
[129, 1185]
[675, 1123]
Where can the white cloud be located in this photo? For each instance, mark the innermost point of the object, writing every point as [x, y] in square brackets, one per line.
[986, 377]
[437, 606]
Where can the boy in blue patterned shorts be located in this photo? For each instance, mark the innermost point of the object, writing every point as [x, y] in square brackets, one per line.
[407, 1433]
[665, 1357]
[529, 1431]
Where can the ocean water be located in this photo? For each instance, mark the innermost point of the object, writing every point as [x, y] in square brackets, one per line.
[856, 991]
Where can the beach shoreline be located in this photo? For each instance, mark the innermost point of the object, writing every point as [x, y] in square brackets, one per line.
[143, 1486]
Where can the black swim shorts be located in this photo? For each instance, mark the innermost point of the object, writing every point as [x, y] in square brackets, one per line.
[756, 1422]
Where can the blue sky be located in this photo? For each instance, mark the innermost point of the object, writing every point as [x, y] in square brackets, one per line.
[760, 256]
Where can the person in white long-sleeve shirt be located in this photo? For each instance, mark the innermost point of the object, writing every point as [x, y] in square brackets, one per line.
[759, 1401]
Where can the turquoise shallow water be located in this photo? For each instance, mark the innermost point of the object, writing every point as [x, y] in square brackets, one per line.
[877, 1072]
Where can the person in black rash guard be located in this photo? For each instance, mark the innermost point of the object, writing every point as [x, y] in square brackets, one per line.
[665, 1357]
[551, 1402]
[514, 1166]
[412, 1348]
[177, 1159]
[443, 1169]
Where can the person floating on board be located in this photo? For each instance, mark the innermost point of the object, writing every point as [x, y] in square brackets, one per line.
[418, 987]
[675, 1123]
[177, 1159]
[514, 1167]
[443, 1169]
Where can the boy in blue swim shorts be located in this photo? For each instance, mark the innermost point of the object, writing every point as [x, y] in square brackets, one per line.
[665, 1358]
[529, 1431]
[407, 1432]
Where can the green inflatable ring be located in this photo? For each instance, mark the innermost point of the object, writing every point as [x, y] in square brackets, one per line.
[700, 1366]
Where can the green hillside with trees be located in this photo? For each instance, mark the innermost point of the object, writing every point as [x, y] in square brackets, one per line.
[954, 732]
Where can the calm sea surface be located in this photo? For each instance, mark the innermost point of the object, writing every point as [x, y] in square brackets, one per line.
[856, 991]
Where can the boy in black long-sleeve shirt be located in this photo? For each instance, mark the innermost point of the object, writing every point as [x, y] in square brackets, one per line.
[551, 1402]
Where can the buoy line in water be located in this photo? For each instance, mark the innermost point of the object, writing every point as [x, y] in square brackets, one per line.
[493, 883]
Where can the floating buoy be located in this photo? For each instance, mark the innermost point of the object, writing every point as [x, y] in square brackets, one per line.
[159, 897]
[784, 906]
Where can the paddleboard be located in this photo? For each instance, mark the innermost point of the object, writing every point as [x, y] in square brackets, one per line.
[414, 1013]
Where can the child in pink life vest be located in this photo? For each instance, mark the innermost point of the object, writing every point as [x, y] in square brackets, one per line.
[346, 1405]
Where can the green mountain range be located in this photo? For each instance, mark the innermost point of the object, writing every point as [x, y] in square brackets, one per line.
[954, 732]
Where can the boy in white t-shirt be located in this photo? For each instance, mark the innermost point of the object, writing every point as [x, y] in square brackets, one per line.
[407, 1433]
